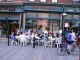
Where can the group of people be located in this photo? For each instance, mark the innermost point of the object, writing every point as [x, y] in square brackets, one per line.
[70, 36]
[30, 33]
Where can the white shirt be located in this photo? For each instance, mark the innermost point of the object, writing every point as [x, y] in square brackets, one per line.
[22, 37]
[45, 31]
[73, 36]
[60, 32]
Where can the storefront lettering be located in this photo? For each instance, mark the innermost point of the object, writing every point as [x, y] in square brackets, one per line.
[70, 10]
[7, 9]
[42, 8]
[42, 22]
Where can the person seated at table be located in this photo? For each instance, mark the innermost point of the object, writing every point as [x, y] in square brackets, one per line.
[28, 37]
[50, 36]
[42, 35]
[13, 37]
[46, 37]
[53, 35]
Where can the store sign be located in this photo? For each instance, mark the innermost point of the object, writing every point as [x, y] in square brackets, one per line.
[66, 25]
[42, 22]
[42, 8]
[7, 9]
[70, 10]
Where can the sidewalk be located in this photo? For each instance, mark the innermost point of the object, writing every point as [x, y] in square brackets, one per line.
[29, 53]
[3, 39]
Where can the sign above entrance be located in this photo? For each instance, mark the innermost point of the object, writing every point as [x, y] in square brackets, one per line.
[43, 8]
[7, 9]
[42, 22]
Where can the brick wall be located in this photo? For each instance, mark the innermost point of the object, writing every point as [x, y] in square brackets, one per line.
[37, 0]
[59, 1]
[20, 1]
[49, 0]
[65, 1]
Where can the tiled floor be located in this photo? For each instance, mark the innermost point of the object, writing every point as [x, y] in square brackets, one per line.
[29, 53]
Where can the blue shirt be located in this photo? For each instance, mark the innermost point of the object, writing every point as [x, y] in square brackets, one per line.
[69, 37]
[13, 37]
[27, 30]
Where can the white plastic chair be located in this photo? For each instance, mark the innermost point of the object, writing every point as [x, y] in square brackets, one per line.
[12, 42]
[58, 41]
[22, 39]
[46, 43]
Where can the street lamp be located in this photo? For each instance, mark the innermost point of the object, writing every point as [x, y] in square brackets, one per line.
[7, 29]
[63, 15]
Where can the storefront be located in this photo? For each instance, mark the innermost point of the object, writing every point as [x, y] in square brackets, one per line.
[34, 15]
[13, 18]
[43, 17]
[38, 15]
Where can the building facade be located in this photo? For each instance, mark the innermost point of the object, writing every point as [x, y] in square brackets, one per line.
[39, 14]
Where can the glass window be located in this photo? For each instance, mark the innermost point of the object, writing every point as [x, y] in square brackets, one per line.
[54, 1]
[13, 15]
[76, 17]
[31, 14]
[43, 0]
[31, 0]
[53, 15]
[68, 16]
[55, 22]
[31, 23]
[75, 0]
[3, 15]
[44, 15]
[9, 0]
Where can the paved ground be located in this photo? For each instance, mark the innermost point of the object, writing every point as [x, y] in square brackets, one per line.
[29, 53]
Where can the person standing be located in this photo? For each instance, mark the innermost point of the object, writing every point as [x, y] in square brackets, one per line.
[60, 32]
[73, 35]
[21, 30]
[69, 41]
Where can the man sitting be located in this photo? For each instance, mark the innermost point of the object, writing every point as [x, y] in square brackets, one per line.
[13, 37]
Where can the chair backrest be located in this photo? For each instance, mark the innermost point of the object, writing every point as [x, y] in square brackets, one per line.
[45, 39]
[22, 38]
[58, 40]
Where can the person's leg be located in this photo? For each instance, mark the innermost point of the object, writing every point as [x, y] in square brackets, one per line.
[69, 47]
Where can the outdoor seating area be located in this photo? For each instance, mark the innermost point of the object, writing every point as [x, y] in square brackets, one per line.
[26, 39]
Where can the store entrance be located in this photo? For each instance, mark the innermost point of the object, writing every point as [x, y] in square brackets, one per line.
[3, 27]
[13, 25]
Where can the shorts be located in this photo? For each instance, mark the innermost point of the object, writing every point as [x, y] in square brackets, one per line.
[69, 42]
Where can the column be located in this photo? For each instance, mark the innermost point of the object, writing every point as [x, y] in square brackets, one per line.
[61, 21]
[24, 19]
[20, 22]
[51, 25]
